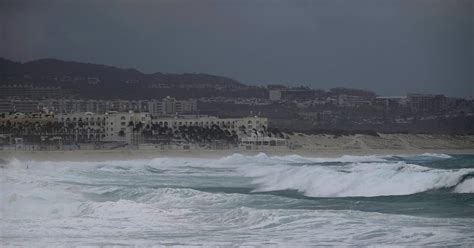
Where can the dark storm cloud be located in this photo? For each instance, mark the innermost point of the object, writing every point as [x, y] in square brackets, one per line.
[392, 47]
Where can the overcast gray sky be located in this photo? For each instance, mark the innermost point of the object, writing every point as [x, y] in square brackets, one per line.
[391, 46]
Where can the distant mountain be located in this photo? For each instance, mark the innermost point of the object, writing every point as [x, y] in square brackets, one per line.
[86, 80]
[50, 68]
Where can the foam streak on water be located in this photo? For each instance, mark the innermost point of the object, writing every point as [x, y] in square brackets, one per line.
[240, 200]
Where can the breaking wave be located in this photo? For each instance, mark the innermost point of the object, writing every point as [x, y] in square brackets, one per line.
[358, 179]
[209, 202]
[344, 176]
[467, 186]
[263, 159]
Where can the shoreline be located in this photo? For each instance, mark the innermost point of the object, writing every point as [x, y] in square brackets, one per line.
[111, 155]
[304, 145]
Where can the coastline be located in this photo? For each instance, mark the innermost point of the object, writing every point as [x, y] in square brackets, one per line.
[304, 145]
[111, 155]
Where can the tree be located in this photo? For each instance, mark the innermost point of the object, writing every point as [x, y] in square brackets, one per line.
[138, 126]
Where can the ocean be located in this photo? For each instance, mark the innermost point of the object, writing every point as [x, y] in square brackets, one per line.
[239, 200]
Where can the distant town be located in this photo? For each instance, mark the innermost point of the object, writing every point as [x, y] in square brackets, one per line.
[56, 105]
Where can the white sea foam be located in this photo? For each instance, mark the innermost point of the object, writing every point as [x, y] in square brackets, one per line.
[436, 155]
[467, 186]
[263, 158]
[148, 202]
[15, 164]
[359, 179]
[424, 156]
[190, 222]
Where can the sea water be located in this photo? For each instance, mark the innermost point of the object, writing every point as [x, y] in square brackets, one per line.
[240, 200]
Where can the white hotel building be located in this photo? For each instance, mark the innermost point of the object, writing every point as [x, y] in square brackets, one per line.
[118, 127]
[109, 125]
[246, 123]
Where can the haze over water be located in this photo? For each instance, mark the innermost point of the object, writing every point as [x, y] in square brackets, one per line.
[241, 200]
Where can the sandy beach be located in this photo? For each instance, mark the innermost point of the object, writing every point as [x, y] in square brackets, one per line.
[305, 145]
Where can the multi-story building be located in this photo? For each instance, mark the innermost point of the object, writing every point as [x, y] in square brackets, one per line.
[111, 126]
[246, 123]
[15, 91]
[21, 91]
[124, 127]
[96, 106]
[171, 106]
[119, 126]
[83, 126]
[189, 106]
[391, 102]
[291, 94]
[5, 106]
[155, 107]
[274, 94]
[354, 101]
[427, 102]
[86, 119]
[167, 106]
[25, 106]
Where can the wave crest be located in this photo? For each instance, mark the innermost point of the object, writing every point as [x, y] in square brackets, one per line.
[467, 186]
[360, 179]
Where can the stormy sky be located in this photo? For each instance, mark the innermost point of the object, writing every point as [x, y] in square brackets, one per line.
[392, 46]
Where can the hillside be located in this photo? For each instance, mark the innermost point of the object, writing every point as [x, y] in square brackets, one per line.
[102, 81]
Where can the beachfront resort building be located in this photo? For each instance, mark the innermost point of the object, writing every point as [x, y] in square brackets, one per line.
[131, 128]
[111, 126]
[120, 126]
[243, 124]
